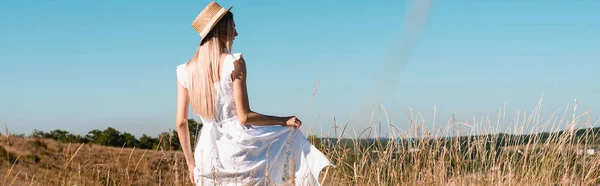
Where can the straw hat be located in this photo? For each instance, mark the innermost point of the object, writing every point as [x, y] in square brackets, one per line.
[208, 18]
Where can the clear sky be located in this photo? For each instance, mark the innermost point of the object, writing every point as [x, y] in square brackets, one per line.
[83, 65]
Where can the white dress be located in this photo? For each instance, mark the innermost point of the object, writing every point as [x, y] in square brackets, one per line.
[228, 153]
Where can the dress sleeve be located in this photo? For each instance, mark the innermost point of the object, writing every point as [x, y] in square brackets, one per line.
[182, 75]
[228, 67]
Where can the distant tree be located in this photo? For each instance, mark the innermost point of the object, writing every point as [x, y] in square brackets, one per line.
[39, 134]
[174, 143]
[147, 142]
[59, 135]
[110, 137]
[164, 142]
[130, 140]
[93, 136]
[194, 128]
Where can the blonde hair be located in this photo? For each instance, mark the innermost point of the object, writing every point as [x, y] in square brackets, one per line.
[204, 69]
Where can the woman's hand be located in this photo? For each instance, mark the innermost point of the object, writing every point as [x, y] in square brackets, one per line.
[191, 172]
[293, 121]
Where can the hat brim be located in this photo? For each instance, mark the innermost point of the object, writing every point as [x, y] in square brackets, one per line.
[213, 22]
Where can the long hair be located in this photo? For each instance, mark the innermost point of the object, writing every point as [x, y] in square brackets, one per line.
[204, 69]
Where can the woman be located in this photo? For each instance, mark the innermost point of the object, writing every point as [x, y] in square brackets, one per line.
[236, 145]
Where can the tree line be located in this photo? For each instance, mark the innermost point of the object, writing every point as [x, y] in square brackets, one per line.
[112, 137]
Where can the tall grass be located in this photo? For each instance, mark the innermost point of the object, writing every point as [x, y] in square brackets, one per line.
[416, 157]
[487, 155]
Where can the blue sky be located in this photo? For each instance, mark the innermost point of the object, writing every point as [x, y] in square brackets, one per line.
[81, 65]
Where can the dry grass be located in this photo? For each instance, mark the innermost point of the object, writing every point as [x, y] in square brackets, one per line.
[86, 164]
[425, 160]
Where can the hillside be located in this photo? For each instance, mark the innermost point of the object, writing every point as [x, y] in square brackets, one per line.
[37, 161]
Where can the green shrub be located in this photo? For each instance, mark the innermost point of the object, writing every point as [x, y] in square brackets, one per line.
[34, 158]
[6, 155]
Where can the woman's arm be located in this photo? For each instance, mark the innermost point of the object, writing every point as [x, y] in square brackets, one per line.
[183, 133]
[244, 113]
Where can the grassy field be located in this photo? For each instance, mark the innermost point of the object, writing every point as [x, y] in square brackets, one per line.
[414, 157]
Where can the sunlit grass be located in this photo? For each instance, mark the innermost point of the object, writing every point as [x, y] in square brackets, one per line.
[412, 157]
